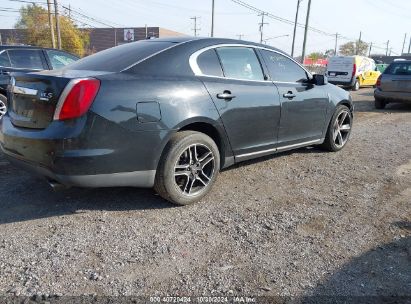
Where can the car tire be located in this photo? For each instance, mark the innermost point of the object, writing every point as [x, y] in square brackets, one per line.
[188, 168]
[356, 85]
[339, 129]
[379, 103]
[3, 102]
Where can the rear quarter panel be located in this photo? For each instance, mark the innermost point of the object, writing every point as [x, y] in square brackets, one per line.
[181, 101]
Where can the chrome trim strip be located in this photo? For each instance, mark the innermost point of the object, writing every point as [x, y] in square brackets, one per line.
[197, 71]
[256, 153]
[24, 91]
[278, 149]
[299, 144]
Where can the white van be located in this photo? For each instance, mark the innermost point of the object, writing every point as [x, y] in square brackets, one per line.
[352, 71]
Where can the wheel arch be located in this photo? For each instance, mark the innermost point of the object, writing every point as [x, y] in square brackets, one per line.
[212, 129]
[346, 103]
[216, 133]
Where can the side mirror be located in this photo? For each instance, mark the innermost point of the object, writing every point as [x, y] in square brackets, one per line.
[320, 79]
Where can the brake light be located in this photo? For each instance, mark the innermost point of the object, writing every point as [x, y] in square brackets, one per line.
[76, 98]
[354, 70]
[378, 84]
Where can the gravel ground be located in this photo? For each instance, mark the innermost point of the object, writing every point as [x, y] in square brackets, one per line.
[295, 224]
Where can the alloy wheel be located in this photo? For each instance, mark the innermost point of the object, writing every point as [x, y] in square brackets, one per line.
[342, 128]
[194, 169]
[3, 108]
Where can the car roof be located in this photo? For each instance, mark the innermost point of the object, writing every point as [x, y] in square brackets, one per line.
[211, 41]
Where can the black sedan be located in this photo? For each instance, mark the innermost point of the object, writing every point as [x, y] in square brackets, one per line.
[169, 114]
[25, 59]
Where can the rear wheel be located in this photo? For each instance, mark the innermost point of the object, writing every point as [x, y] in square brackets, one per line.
[379, 103]
[3, 108]
[339, 129]
[188, 168]
[356, 85]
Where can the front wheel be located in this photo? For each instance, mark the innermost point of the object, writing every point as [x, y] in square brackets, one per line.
[3, 108]
[188, 168]
[339, 129]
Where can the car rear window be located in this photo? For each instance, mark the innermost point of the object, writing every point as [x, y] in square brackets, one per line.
[118, 58]
[399, 68]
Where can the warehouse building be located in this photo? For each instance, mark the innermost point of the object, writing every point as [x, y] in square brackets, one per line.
[100, 38]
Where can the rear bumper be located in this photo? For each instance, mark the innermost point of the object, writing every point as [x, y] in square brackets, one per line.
[143, 179]
[393, 96]
[342, 83]
[88, 152]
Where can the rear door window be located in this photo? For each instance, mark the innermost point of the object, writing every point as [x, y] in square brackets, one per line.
[26, 59]
[240, 63]
[209, 64]
[60, 59]
[4, 59]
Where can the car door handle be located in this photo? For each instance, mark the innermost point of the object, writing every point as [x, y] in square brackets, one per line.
[289, 95]
[225, 95]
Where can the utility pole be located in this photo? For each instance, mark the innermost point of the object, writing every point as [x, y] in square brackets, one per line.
[295, 27]
[56, 12]
[357, 51]
[53, 41]
[403, 44]
[369, 53]
[336, 44]
[240, 36]
[146, 32]
[195, 29]
[307, 19]
[386, 51]
[212, 18]
[262, 25]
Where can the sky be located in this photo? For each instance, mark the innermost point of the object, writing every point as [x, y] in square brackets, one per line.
[377, 20]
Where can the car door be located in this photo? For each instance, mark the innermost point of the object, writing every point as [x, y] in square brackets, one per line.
[303, 104]
[248, 105]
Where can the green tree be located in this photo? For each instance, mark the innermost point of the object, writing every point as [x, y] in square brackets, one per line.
[316, 55]
[350, 48]
[34, 19]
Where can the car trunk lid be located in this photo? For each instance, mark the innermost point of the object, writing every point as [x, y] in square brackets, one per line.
[33, 97]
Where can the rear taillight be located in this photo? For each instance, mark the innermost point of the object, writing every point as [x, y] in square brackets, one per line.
[378, 84]
[354, 70]
[76, 98]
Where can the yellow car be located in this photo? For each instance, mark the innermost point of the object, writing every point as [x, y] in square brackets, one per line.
[352, 71]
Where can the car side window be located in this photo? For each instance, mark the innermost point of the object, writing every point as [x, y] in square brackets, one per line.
[26, 59]
[283, 69]
[59, 59]
[240, 63]
[209, 63]
[4, 59]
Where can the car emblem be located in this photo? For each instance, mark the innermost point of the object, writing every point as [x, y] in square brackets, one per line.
[46, 96]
